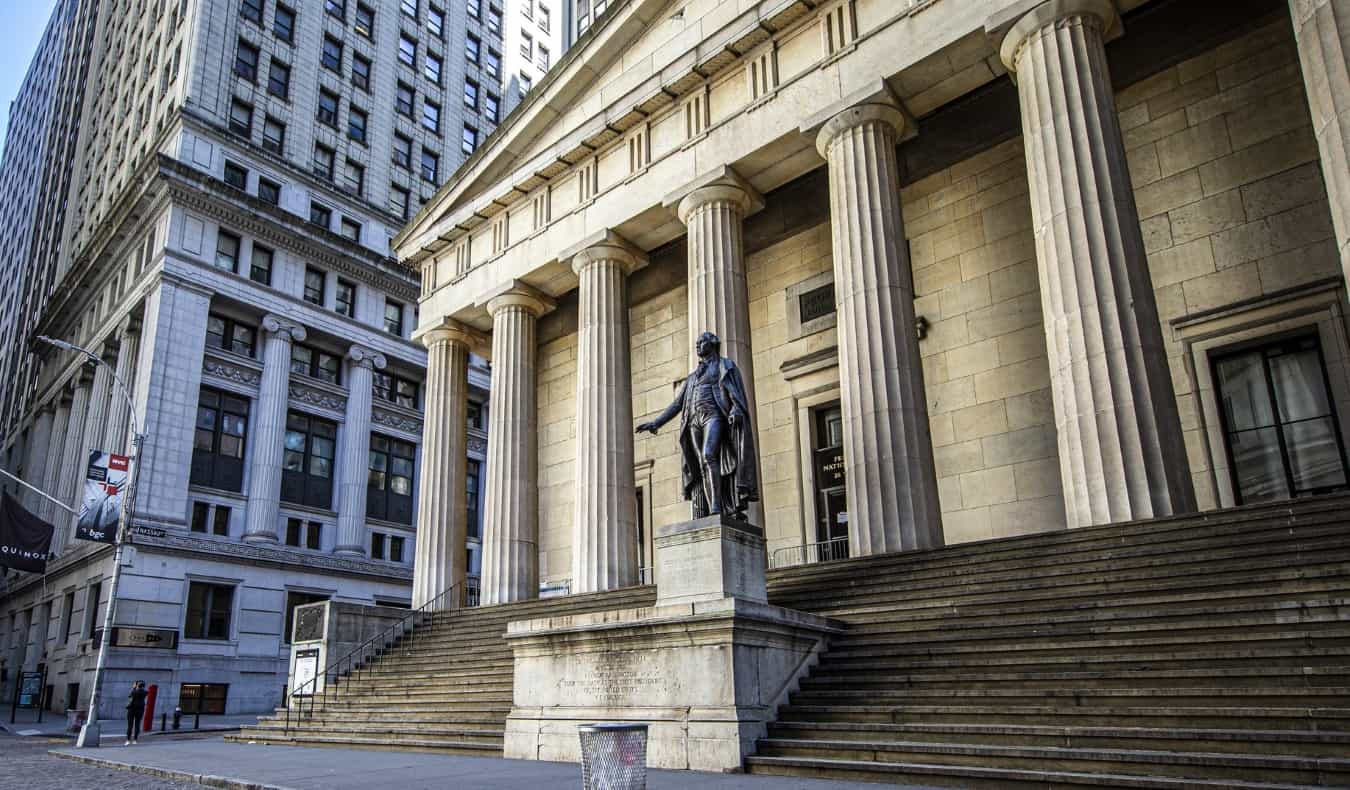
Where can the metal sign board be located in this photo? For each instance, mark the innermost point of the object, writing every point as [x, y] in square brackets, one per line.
[161, 638]
[306, 667]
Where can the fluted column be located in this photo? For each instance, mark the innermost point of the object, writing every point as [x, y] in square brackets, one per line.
[51, 475]
[74, 457]
[118, 425]
[441, 560]
[511, 500]
[37, 454]
[1322, 30]
[269, 430]
[1120, 444]
[354, 472]
[888, 454]
[604, 529]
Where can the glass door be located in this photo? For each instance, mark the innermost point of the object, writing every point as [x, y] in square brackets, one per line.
[828, 468]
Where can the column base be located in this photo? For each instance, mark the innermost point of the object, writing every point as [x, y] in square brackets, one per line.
[706, 677]
[261, 539]
[350, 551]
[708, 559]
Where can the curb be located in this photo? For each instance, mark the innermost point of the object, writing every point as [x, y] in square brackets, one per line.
[206, 780]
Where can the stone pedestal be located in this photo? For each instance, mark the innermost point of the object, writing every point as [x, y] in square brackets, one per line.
[709, 559]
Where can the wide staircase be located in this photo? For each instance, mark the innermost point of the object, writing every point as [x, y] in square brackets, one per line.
[1204, 651]
[446, 687]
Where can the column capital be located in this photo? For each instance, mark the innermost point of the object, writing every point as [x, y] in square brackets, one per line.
[605, 246]
[361, 356]
[518, 294]
[129, 325]
[722, 185]
[451, 331]
[1011, 29]
[283, 327]
[871, 105]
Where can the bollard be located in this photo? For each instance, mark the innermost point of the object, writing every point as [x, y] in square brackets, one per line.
[163, 722]
[197, 722]
[177, 717]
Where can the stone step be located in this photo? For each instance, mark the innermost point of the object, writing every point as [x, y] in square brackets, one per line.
[484, 716]
[389, 696]
[1087, 694]
[1242, 741]
[990, 778]
[396, 672]
[1249, 677]
[1294, 653]
[451, 735]
[1270, 717]
[382, 744]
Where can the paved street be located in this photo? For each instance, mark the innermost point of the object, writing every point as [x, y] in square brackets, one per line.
[25, 763]
[352, 769]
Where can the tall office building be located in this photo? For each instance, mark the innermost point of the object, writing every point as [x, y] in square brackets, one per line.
[216, 227]
[534, 37]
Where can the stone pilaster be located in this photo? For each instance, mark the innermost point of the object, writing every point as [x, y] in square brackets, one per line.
[37, 453]
[354, 469]
[51, 475]
[511, 497]
[1120, 444]
[604, 528]
[269, 430]
[1322, 30]
[888, 453]
[441, 560]
[95, 422]
[74, 456]
[118, 427]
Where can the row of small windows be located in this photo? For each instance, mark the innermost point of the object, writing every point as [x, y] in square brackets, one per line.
[473, 49]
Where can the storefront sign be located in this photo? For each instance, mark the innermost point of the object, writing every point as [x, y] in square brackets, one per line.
[306, 667]
[162, 638]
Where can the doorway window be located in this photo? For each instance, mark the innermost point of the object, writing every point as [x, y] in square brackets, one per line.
[828, 477]
[1279, 424]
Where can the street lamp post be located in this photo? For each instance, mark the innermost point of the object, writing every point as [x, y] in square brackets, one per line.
[90, 733]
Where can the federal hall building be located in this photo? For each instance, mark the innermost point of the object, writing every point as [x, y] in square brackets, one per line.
[1041, 311]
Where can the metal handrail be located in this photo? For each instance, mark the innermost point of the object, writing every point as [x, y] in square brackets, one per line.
[386, 638]
[820, 551]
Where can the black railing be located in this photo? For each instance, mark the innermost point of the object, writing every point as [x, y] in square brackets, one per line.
[465, 593]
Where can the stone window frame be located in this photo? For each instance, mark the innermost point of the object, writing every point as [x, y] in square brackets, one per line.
[1321, 305]
[797, 329]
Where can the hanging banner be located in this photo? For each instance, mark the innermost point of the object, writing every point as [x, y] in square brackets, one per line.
[105, 482]
[25, 539]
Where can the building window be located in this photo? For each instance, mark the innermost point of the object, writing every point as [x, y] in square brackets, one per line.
[316, 364]
[308, 535]
[469, 140]
[436, 22]
[323, 163]
[295, 600]
[337, 8]
[350, 228]
[398, 201]
[313, 277]
[396, 548]
[91, 610]
[393, 317]
[389, 483]
[526, 46]
[544, 58]
[473, 416]
[404, 100]
[474, 8]
[344, 300]
[402, 151]
[544, 20]
[494, 63]
[395, 389]
[430, 165]
[205, 698]
[241, 118]
[274, 135]
[472, 479]
[471, 48]
[471, 94]
[407, 51]
[328, 108]
[332, 54]
[269, 191]
[227, 251]
[252, 10]
[356, 124]
[431, 67]
[491, 107]
[377, 545]
[283, 24]
[260, 265]
[526, 83]
[246, 60]
[307, 460]
[431, 116]
[227, 334]
[69, 609]
[1279, 421]
[494, 20]
[236, 176]
[206, 519]
[361, 72]
[218, 440]
[279, 79]
[209, 607]
[365, 20]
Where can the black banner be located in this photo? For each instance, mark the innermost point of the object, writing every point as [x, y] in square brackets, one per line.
[25, 539]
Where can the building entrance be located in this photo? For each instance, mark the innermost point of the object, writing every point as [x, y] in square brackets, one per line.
[828, 478]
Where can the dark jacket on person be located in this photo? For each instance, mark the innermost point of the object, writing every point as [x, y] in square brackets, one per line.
[136, 701]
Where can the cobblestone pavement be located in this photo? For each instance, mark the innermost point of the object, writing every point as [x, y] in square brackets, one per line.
[24, 763]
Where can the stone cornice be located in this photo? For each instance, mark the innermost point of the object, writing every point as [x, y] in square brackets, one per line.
[387, 415]
[237, 370]
[318, 394]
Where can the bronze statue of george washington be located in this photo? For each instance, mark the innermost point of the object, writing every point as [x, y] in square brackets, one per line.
[717, 445]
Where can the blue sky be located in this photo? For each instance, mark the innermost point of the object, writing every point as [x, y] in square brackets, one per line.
[21, 26]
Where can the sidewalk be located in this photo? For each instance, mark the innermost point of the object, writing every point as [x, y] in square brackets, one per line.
[53, 725]
[242, 766]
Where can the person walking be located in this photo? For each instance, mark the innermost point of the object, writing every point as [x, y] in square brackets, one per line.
[135, 710]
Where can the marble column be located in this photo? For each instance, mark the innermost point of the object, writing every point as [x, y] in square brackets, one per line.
[1121, 451]
[511, 498]
[268, 432]
[604, 528]
[51, 476]
[74, 457]
[39, 450]
[1322, 30]
[118, 428]
[441, 559]
[354, 471]
[888, 453]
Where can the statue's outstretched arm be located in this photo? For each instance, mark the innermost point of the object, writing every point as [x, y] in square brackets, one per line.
[666, 416]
